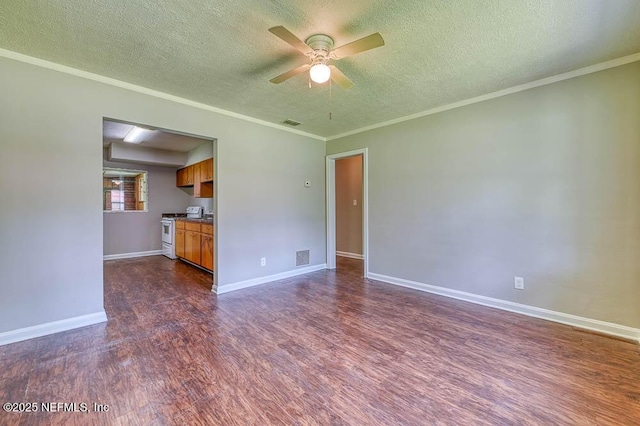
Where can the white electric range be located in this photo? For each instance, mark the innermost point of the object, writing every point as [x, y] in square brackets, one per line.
[169, 231]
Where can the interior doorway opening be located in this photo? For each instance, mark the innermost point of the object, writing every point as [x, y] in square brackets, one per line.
[347, 210]
[157, 154]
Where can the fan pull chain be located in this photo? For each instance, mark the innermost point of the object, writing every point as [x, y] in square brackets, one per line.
[330, 86]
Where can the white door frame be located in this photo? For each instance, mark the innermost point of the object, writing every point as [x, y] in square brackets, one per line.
[331, 206]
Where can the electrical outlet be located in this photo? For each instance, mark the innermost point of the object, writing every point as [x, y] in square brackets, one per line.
[355, 202]
[518, 283]
[263, 261]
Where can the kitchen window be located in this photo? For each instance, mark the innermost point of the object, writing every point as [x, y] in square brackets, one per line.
[124, 190]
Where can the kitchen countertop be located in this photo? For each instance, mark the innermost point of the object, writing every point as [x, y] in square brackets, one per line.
[203, 220]
[207, 218]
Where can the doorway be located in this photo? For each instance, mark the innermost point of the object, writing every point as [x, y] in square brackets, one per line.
[346, 201]
[141, 193]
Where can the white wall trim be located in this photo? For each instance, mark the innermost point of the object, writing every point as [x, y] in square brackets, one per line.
[269, 278]
[331, 206]
[135, 88]
[131, 255]
[350, 255]
[520, 88]
[531, 311]
[51, 327]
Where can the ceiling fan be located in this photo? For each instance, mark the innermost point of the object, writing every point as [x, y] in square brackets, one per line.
[319, 48]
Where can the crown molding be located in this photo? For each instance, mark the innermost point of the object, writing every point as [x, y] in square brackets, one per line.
[146, 91]
[520, 88]
[135, 88]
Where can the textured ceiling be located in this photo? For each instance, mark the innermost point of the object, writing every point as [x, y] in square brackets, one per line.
[220, 52]
[115, 131]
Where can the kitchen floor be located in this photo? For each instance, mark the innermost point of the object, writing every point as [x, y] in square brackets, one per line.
[324, 348]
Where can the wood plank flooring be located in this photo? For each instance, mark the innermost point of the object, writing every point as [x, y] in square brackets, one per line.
[328, 348]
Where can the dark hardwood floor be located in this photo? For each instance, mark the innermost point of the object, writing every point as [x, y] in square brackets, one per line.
[325, 348]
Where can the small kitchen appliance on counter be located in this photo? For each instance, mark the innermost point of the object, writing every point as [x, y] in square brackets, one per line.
[194, 212]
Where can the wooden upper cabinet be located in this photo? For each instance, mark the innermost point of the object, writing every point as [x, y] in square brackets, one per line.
[206, 173]
[200, 176]
[190, 176]
[201, 189]
[196, 180]
[184, 176]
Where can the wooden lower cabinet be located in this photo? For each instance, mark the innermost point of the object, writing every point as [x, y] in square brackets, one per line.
[179, 242]
[194, 242]
[206, 251]
[192, 246]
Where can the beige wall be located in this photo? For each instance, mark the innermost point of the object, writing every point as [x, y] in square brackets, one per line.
[543, 184]
[348, 216]
[51, 184]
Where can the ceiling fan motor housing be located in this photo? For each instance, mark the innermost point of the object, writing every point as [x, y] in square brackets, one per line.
[321, 45]
[319, 48]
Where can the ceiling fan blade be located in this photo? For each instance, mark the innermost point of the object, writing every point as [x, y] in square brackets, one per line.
[288, 37]
[366, 43]
[287, 75]
[340, 79]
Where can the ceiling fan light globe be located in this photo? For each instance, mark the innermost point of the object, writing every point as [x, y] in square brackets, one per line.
[320, 73]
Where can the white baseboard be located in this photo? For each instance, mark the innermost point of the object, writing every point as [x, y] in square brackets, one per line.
[351, 255]
[269, 278]
[531, 311]
[51, 327]
[131, 255]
